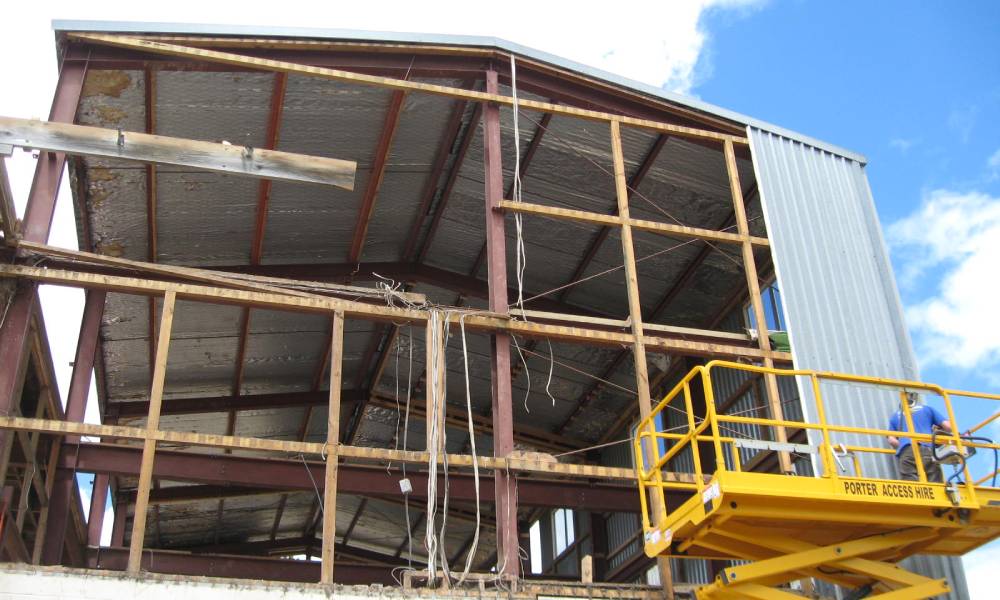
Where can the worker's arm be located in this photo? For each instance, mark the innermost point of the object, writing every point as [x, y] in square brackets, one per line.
[894, 426]
[942, 422]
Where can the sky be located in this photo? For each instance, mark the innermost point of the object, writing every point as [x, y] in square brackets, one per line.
[915, 87]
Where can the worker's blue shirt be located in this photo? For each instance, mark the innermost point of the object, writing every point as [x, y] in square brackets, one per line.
[924, 419]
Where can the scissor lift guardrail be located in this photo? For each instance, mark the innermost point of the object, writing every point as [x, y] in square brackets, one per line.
[847, 530]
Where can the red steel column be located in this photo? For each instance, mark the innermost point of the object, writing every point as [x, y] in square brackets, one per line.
[48, 172]
[76, 407]
[37, 222]
[98, 504]
[496, 260]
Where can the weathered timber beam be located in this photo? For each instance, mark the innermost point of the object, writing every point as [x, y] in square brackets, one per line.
[353, 479]
[358, 453]
[478, 322]
[109, 265]
[210, 156]
[395, 84]
[681, 231]
[400, 271]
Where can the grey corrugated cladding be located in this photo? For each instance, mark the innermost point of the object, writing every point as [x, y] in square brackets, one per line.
[841, 303]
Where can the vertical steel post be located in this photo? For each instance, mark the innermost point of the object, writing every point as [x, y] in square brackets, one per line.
[76, 408]
[496, 262]
[98, 502]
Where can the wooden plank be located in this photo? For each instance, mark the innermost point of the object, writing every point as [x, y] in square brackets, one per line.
[332, 444]
[477, 322]
[152, 424]
[143, 147]
[681, 231]
[621, 323]
[393, 84]
[356, 453]
[635, 315]
[753, 284]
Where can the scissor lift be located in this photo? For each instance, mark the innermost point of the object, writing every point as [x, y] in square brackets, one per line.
[846, 530]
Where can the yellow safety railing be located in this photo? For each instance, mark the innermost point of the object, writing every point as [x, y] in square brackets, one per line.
[654, 450]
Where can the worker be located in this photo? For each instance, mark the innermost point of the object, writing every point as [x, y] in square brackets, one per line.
[925, 420]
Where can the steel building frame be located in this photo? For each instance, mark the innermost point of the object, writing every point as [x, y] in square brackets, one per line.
[516, 481]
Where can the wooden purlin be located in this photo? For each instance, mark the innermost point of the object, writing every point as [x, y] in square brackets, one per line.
[395, 84]
[152, 425]
[331, 447]
[322, 305]
[352, 454]
[635, 312]
[753, 286]
[680, 231]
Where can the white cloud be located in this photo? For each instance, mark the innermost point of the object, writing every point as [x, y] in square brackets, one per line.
[903, 144]
[949, 247]
[962, 121]
[980, 571]
[993, 162]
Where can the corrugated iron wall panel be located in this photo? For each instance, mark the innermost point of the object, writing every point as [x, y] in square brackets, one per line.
[841, 303]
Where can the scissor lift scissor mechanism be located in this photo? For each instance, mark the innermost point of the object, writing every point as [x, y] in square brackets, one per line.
[851, 531]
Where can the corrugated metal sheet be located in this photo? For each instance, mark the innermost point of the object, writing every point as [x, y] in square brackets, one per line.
[842, 306]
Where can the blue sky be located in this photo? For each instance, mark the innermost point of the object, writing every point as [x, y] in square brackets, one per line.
[916, 88]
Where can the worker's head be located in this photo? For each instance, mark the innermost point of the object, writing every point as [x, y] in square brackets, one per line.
[911, 399]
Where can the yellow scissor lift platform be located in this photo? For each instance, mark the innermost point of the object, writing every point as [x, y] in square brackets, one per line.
[850, 531]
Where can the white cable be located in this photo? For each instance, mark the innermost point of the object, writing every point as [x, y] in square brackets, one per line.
[527, 373]
[475, 459]
[430, 539]
[552, 365]
[520, 254]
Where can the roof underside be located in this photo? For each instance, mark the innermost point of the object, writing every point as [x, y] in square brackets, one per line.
[208, 220]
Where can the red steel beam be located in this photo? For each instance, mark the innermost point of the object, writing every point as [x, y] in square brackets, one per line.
[271, 143]
[256, 248]
[496, 263]
[76, 406]
[376, 175]
[238, 567]
[209, 404]
[456, 167]
[291, 475]
[451, 130]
